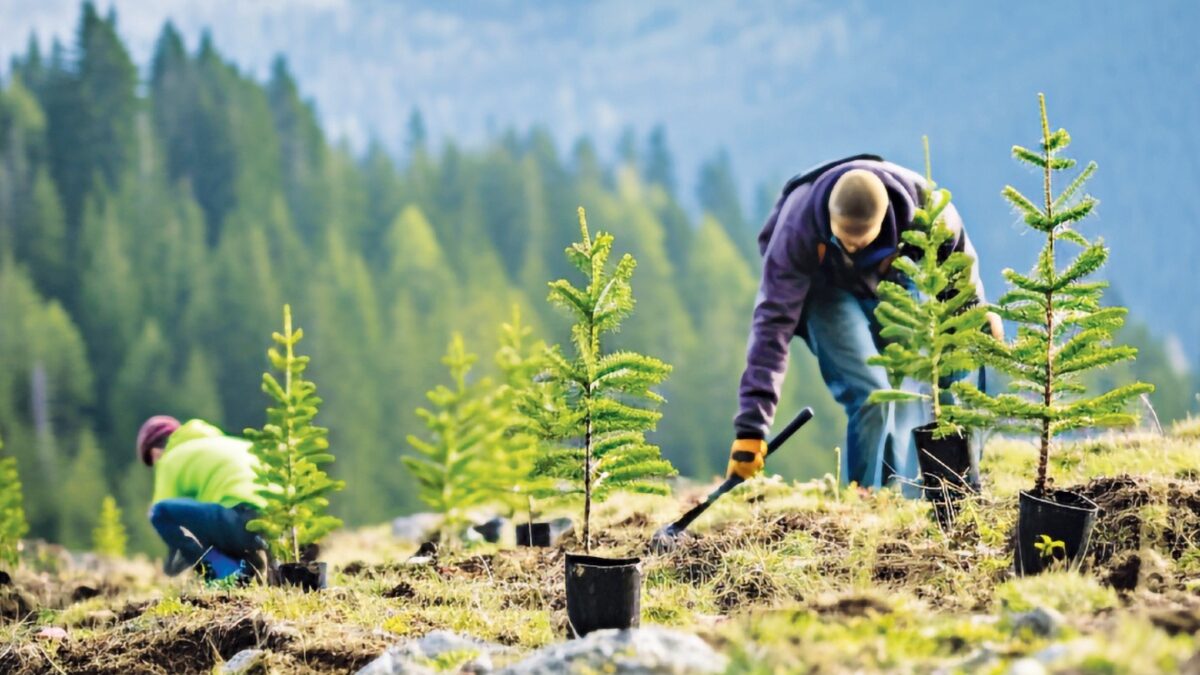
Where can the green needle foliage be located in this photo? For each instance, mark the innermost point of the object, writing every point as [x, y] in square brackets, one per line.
[1063, 330]
[109, 537]
[12, 511]
[519, 360]
[590, 417]
[930, 336]
[290, 451]
[455, 469]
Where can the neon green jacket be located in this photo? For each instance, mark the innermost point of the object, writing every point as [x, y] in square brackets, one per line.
[199, 462]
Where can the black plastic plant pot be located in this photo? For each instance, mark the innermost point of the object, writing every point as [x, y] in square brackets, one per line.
[602, 593]
[945, 462]
[309, 576]
[1059, 516]
[490, 531]
[533, 534]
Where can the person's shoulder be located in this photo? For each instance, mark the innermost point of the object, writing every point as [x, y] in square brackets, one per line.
[205, 445]
[911, 180]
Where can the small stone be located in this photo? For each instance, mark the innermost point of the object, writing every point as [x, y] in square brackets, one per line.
[416, 527]
[412, 657]
[52, 633]
[246, 662]
[1040, 621]
[1026, 667]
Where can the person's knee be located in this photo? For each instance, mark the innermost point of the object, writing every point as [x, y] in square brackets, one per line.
[157, 514]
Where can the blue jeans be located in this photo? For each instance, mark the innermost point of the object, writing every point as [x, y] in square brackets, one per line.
[841, 331]
[190, 528]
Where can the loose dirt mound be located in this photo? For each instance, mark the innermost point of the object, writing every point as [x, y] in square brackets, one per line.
[1139, 513]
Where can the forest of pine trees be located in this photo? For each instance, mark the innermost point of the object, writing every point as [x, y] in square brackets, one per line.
[153, 222]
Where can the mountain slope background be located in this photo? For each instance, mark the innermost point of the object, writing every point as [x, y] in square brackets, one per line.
[780, 87]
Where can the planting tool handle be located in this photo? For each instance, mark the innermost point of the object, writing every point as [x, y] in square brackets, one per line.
[680, 525]
[782, 437]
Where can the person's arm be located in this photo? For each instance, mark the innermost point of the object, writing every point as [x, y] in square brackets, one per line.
[785, 284]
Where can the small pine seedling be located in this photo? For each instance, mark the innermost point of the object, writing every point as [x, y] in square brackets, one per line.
[931, 335]
[596, 433]
[455, 468]
[109, 538]
[291, 451]
[1064, 331]
[12, 511]
[519, 361]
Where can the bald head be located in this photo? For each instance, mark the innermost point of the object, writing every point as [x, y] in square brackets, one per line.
[857, 205]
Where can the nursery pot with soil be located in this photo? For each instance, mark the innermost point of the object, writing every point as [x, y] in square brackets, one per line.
[490, 531]
[1060, 515]
[945, 462]
[602, 593]
[309, 576]
[533, 534]
[945, 470]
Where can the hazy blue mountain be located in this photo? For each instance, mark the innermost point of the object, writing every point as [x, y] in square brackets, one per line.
[781, 87]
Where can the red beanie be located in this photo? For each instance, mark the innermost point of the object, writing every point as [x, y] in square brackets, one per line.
[154, 432]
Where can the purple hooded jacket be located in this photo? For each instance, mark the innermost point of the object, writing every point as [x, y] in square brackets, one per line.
[799, 254]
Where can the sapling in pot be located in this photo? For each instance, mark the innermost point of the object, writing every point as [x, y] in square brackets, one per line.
[593, 412]
[519, 360]
[1064, 332]
[291, 450]
[12, 516]
[930, 339]
[455, 467]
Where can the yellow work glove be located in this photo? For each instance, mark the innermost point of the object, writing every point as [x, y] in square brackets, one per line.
[746, 457]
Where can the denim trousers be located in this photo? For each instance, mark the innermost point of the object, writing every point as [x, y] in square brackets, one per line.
[842, 332]
[190, 528]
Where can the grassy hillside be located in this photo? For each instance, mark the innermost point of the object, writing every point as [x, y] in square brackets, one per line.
[779, 576]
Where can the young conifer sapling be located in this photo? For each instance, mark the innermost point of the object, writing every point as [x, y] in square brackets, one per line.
[109, 537]
[13, 525]
[1063, 329]
[598, 411]
[519, 360]
[930, 336]
[291, 450]
[454, 467]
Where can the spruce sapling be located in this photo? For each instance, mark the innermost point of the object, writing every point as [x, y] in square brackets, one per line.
[455, 468]
[12, 511]
[291, 451]
[930, 337]
[109, 537]
[1063, 330]
[519, 360]
[595, 432]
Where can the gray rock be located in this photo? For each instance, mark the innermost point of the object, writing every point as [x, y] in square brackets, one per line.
[416, 527]
[413, 656]
[245, 662]
[1026, 667]
[650, 650]
[1041, 621]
